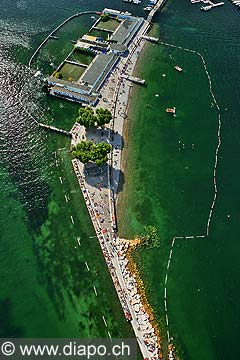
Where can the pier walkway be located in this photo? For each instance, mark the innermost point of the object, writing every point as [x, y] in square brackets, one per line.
[156, 7]
[134, 79]
[53, 128]
[150, 38]
[211, 6]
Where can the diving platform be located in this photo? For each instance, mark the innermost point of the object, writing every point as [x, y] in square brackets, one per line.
[150, 38]
[134, 79]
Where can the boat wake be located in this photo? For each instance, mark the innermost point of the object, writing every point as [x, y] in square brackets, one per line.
[218, 145]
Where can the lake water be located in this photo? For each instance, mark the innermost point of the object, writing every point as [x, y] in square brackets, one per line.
[46, 290]
[169, 178]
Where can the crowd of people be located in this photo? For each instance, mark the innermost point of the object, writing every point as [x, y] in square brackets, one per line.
[114, 251]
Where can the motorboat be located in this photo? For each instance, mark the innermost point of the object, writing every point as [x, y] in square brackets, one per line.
[171, 110]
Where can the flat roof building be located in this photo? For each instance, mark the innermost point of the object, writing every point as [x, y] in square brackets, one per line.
[86, 88]
[125, 31]
[73, 95]
[80, 88]
[98, 70]
[118, 49]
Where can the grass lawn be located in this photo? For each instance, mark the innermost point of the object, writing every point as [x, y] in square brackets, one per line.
[100, 33]
[71, 72]
[82, 57]
[110, 24]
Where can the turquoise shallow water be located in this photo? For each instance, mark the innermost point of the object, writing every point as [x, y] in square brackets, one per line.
[171, 187]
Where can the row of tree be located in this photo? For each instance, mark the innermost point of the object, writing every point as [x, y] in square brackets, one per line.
[87, 151]
[89, 119]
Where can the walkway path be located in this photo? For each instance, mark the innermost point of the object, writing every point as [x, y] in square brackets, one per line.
[156, 8]
[116, 92]
[100, 191]
[53, 128]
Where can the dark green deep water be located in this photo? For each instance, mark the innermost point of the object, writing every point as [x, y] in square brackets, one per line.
[45, 287]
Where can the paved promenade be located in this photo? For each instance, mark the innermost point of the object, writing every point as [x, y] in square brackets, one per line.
[99, 198]
[99, 189]
[115, 96]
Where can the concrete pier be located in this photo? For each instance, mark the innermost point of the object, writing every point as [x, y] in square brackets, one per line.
[53, 128]
[134, 79]
[211, 6]
[150, 38]
[156, 7]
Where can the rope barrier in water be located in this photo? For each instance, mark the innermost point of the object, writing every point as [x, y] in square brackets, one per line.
[214, 185]
[53, 32]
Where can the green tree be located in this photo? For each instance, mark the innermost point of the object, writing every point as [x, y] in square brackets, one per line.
[87, 151]
[86, 117]
[82, 151]
[57, 75]
[104, 116]
[100, 152]
[104, 17]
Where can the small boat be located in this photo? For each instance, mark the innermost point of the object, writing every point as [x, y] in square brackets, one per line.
[148, 8]
[178, 68]
[171, 110]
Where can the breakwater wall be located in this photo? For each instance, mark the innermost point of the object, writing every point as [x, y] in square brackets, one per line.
[54, 31]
